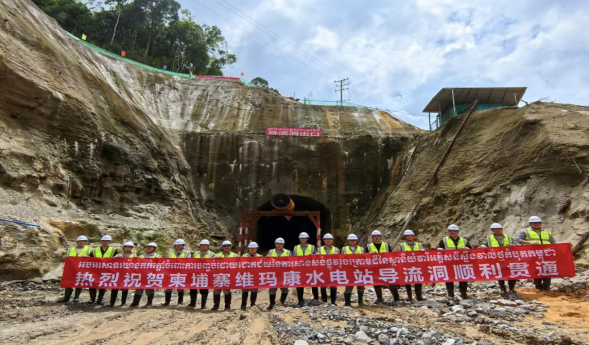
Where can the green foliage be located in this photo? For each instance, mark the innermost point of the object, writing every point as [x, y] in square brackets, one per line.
[153, 32]
[261, 82]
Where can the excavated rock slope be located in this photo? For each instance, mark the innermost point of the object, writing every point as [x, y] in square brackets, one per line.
[507, 165]
[93, 145]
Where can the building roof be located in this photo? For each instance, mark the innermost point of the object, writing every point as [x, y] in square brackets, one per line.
[467, 95]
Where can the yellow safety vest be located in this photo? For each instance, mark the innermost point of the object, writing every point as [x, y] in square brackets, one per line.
[449, 243]
[348, 250]
[384, 247]
[407, 248]
[223, 256]
[174, 255]
[308, 251]
[123, 256]
[542, 238]
[248, 255]
[492, 241]
[84, 251]
[155, 256]
[272, 252]
[98, 253]
[333, 250]
[199, 255]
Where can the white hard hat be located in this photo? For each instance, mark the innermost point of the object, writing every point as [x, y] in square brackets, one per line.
[106, 238]
[205, 243]
[453, 227]
[81, 238]
[226, 243]
[179, 242]
[328, 237]
[496, 226]
[279, 240]
[408, 232]
[128, 244]
[535, 219]
[352, 237]
[152, 244]
[304, 235]
[252, 245]
[376, 233]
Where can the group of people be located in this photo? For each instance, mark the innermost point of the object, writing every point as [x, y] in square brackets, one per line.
[535, 234]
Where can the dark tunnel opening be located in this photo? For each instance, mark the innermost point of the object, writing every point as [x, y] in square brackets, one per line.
[268, 229]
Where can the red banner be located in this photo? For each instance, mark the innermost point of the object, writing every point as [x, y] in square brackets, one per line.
[398, 268]
[294, 132]
[216, 78]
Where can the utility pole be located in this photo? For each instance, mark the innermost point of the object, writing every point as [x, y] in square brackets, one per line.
[340, 88]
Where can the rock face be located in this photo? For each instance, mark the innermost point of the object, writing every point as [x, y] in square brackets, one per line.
[507, 165]
[92, 145]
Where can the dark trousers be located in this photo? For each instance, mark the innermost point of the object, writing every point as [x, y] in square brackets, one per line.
[101, 293]
[418, 295]
[510, 283]
[542, 284]
[300, 292]
[463, 286]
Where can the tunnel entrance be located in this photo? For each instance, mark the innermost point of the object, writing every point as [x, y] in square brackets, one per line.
[269, 228]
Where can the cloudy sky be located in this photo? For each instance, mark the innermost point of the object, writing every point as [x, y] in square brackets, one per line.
[398, 54]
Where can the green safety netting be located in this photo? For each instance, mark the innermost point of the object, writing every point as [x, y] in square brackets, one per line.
[336, 103]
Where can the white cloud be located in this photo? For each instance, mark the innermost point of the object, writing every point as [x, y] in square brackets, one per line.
[398, 54]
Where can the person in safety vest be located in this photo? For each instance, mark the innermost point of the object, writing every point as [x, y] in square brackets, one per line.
[81, 250]
[203, 253]
[104, 251]
[279, 251]
[353, 248]
[453, 241]
[127, 253]
[252, 252]
[328, 249]
[378, 246]
[179, 253]
[410, 246]
[536, 235]
[304, 249]
[226, 253]
[497, 239]
[149, 254]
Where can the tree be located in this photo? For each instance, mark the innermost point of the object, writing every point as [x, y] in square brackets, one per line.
[119, 5]
[261, 82]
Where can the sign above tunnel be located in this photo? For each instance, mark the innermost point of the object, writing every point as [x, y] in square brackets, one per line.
[294, 132]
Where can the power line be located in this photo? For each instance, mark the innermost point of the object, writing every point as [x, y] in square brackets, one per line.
[299, 61]
[276, 36]
[342, 83]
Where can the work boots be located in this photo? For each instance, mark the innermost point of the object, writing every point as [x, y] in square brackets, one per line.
[77, 295]
[409, 295]
[300, 294]
[283, 296]
[272, 302]
[113, 297]
[254, 298]
[395, 292]
[180, 297]
[463, 288]
[216, 301]
[124, 295]
[66, 296]
[92, 293]
[149, 300]
[203, 300]
[168, 298]
[361, 298]
[333, 295]
[324, 294]
[244, 299]
[315, 293]
[193, 294]
[228, 302]
[101, 293]
[546, 284]
[136, 300]
[378, 291]
[348, 299]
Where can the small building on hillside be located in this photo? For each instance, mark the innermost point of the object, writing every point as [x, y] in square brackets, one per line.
[450, 101]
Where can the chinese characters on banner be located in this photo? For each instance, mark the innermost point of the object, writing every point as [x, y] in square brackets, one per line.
[294, 132]
[398, 268]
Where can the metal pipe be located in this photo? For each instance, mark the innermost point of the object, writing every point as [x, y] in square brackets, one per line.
[318, 234]
[239, 247]
[453, 102]
[21, 223]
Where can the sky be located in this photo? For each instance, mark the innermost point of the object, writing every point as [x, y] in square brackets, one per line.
[399, 54]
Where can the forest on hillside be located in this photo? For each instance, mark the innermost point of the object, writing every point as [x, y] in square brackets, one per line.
[154, 32]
